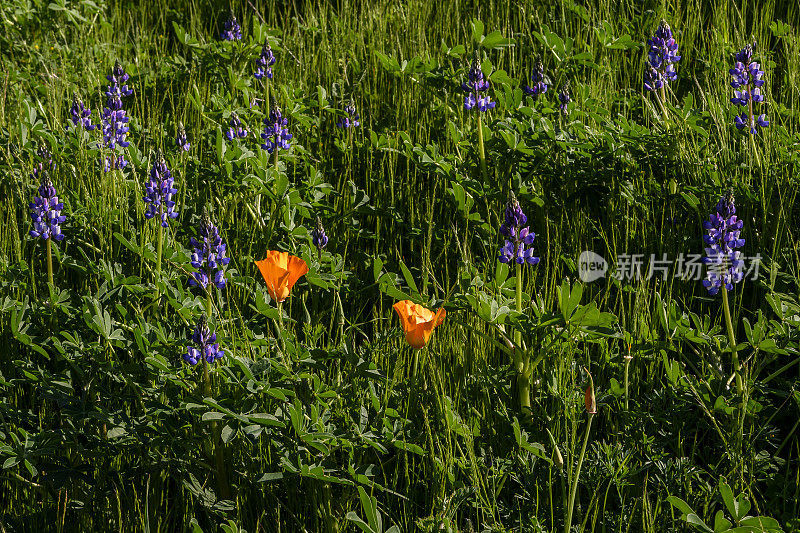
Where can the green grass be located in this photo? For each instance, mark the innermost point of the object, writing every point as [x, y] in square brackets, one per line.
[107, 431]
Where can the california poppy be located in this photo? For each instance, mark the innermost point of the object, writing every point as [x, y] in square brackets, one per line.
[418, 322]
[281, 271]
[589, 398]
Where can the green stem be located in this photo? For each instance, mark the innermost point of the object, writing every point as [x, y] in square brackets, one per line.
[627, 364]
[280, 329]
[574, 487]
[223, 487]
[160, 251]
[732, 341]
[50, 261]
[481, 149]
[521, 360]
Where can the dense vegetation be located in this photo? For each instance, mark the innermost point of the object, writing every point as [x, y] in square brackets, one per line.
[544, 400]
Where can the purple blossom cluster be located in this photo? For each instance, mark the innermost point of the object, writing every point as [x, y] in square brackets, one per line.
[235, 128]
[115, 121]
[519, 239]
[475, 85]
[724, 236]
[564, 98]
[159, 191]
[264, 62]
[661, 59]
[351, 120]
[45, 208]
[205, 345]
[231, 31]
[748, 79]
[208, 256]
[275, 131]
[537, 77]
[79, 114]
[181, 140]
[318, 237]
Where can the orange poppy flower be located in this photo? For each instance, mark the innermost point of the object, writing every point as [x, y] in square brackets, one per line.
[281, 271]
[418, 322]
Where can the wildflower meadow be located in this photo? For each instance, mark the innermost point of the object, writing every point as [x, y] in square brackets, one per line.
[391, 266]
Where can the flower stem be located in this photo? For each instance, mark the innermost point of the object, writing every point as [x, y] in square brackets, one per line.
[574, 488]
[481, 149]
[521, 362]
[627, 364]
[160, 251]
[50, 261]
[732, 341]
[280, 330]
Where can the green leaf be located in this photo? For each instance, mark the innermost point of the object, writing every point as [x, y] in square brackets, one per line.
[681, 505]
[721, 523]
[477, 30]
[727, 494]
[409, 278]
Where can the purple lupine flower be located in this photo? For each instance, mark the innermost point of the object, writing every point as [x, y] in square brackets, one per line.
[517, 236]
[208, 256]
[275, 131]
[318, 237]
[351, 120]
[537, 77]
[661, 58]
[747, 77]
[45, 208]
[159, 192]
[181, 140]
[236, 128]
[564, 98]
[80, 114]
[724, 236]
[232, 31]
[476, 85]
[115, 121]
[205, 345]
[264, 62]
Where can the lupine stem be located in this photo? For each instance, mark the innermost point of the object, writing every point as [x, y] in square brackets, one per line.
[481, 150]
[732, 340]
[219, 448]
[160, 251]
[50, 261]
[521, 361]
[577, 475]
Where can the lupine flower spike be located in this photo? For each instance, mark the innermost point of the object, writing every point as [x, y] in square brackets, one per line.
[474, 87]
[45, 208]
[661, 58]
[537, 77]
[181, 140]
[564, 98]
[208, 256]
[724, 237]
[352, 118]
[518, 238]
[264, 63]
[236, 129]
[160, 189]
[418, 322]
[748, 79]
[115, 121]
[281, 271]
[275, 131]
[318, 237]
[80, 114]
[205, 345]
[232, 31]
